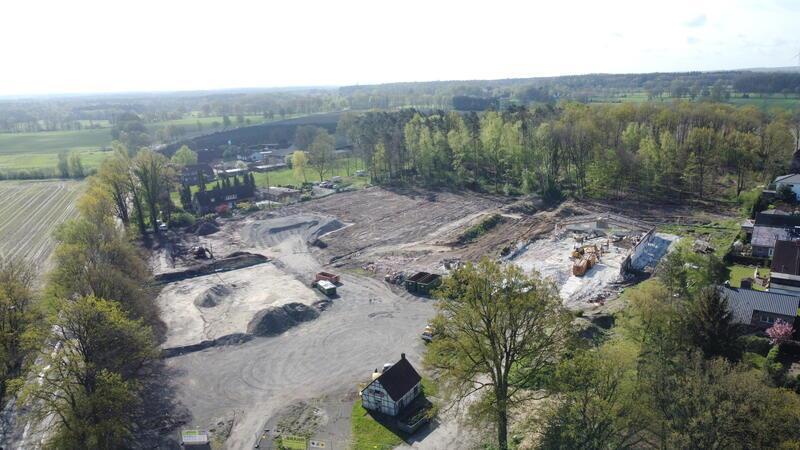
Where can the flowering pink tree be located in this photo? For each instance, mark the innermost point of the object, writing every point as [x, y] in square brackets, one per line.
[780, 332]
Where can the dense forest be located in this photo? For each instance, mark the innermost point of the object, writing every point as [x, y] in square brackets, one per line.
[675, 150]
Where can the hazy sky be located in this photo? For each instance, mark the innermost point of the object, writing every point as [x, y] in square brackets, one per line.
[57, 46]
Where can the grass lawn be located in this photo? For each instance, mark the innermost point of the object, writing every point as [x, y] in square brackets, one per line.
[737, 272]
[368, 433]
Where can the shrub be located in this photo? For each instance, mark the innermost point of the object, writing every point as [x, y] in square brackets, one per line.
[248, 207]
[481, 228]
[754, 344]
[181, 219]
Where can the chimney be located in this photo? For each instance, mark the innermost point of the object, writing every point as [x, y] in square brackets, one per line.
[747, 283]
[402, 356]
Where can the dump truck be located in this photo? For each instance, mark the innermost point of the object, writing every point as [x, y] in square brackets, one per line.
[579, 268]
[327, 276]
[326, 287]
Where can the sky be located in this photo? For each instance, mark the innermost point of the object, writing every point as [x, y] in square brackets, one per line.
[90, 46]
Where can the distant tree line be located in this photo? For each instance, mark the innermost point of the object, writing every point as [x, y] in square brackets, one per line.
[675, 150]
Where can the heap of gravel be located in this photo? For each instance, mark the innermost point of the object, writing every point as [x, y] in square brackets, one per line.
[213, 296]
[206, 228]
[277, 319]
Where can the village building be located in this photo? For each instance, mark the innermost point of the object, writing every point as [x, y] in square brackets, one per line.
[771, 227]
[208, 201]
[760, 309]
[393, 390]
[785, 271]
[280, 194]
[190, 174]
[791, 181]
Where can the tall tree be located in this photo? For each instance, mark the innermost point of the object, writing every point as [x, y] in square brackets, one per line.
[299, 163]
[321, 153]
[113, 173]
[184, 156]
[152, 173]
[709, 324]
[501, 330]
[87, 382]
[19, 319]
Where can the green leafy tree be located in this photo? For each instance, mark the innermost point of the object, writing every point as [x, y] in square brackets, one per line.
[88, 381]
[501, 332]
[299, 163]
[321, 153]
[184, 156]
[19, 319]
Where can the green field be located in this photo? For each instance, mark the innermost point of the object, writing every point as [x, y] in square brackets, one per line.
[26, 151]
[29, 213]
[765, 102]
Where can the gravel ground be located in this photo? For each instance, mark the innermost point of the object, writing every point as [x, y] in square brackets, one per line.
[368, 325]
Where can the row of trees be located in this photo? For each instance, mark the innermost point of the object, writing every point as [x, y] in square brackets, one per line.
[659, 150]
[82, 351]
[674, 373]
[139, 184]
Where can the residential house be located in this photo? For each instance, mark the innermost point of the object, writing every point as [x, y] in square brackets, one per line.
[771, 227]
[208, 201]
[190, 174]
[280, 194]
[760, 309]
[392, 390]
[784, 276]
[791, 181]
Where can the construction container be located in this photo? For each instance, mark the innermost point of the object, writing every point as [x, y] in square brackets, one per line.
[423, 282]
[333, 278]
[326, 287]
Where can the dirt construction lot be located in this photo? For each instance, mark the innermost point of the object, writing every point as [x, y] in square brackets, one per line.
[370, 322]
[247, 387]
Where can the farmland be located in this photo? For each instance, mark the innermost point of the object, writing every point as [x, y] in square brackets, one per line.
[29, 213]
[27, 151]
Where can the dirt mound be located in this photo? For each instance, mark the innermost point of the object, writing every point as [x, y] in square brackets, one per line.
[206, 228]
[277, 319]
[213, 296]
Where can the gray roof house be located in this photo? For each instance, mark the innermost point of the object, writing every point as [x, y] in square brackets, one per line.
[760, 309]
[770, 228]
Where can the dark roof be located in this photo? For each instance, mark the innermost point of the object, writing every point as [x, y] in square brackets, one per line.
[786, 258]
[192, 169]
[399, 379]
[215, 197]
[777, 220]
[743, 302]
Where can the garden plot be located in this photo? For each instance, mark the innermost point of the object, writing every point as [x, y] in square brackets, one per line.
[212, 306]
[550, 257]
